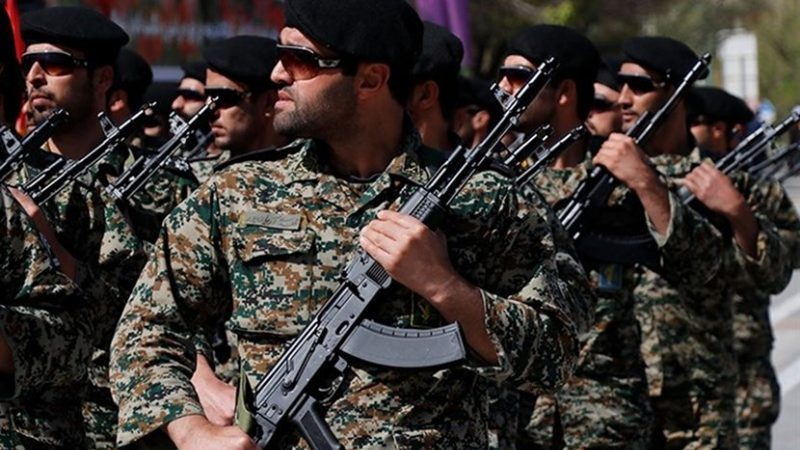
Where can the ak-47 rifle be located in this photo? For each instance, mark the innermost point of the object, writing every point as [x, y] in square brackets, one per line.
[592, 194]
[17, 148]
[284, 396]
[135, 177]
[60, 173]
[770, 168]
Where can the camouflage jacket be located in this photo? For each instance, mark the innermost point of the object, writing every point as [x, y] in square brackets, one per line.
[43, 320]
[263, 243]
[687, 327]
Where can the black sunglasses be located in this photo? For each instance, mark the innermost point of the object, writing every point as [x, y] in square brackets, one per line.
[602, 104]
[639, 84]
[226, 97]
[53, 63]
[516, 75]
[190, 94]
[302, 63]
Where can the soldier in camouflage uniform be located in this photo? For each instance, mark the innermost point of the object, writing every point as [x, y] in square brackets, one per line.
[433, 97]
[717, 120]
[202, 154]
[264, 241]
[87, 222]
[688, 336]
[45, 340]
[605, 404]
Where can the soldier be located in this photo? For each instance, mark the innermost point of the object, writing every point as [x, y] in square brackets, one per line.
[265, 240]
[68, 62]
[133, 77]
[688, 337]
[433, 97]
[477, 110]
[604, 405]
[605, 116]
[238, 75]
[717, 123]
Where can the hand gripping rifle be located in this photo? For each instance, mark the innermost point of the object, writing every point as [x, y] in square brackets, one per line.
[17, 148]
[284, 396]
[135, 177]
[592, 194]
[59, 174]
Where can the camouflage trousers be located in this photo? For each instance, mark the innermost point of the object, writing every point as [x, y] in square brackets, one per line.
[100, 422]
[687, 420]
[757, 402]
[593, 414]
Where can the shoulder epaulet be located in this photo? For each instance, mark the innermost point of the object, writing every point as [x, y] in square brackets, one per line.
[264, 155]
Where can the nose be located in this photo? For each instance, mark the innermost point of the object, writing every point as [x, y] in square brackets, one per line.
[279, 75]
[625, 97]
[178, 104]
[35, 75]
[506, 85]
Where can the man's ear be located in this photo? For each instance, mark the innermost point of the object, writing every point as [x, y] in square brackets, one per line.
[265, 103]
[103, 79]
[480, 120]
[117, 101]
[566, 92]
[371, 78]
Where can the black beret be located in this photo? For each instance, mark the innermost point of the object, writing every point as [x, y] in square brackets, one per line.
[670, 58]
[577, 57]
[716, 104]
[133, 70]
[607, 74]
[387, 31]
[195, 70]
[77, 27]
[245, 59]
[442, 52]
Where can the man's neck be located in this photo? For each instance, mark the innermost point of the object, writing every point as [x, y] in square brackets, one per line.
[671, 139]
[78, 140]
[370, 146]
[576, 152]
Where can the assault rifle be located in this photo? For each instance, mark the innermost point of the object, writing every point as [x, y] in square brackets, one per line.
[544, 156]
[135, 177]
[769, 169]
[17, 148]
[592, 194]
[60, 173]
[284, 396]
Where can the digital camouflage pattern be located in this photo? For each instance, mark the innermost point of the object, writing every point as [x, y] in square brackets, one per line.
[43, 320]
[263, 243]
[203, 166]
[757, 392]
[688, 334]
[99, 235]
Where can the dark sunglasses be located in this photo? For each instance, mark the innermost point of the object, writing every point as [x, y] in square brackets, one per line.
[226, 97]
[302, 63]
[602, 104]
[53, 63]
[639, 84]
[516, 75]
[190, 94]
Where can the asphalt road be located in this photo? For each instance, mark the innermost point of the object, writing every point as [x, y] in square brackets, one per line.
[785, 315]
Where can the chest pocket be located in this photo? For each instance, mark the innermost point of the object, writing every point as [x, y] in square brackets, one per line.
[274, 281]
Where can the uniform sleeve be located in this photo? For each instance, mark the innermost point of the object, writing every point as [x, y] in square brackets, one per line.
[691, 249]
[183, 289]
[43, 314]
[537, 298]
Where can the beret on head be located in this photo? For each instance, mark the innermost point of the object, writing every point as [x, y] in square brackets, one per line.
[387, 31]
[442, 52]
[607, 74]
[195, 70]
[577, 57]
[133, 70]
[77, 27]
[670, 58]
[245, 59]
[717, 104]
